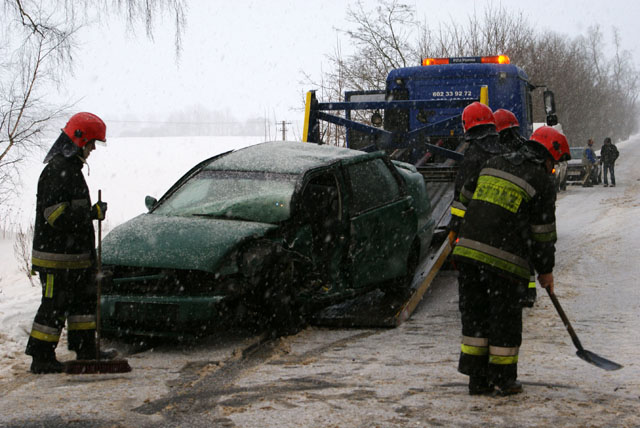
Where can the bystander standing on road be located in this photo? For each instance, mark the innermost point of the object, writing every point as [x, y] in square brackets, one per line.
[608, 155]
[588, 160]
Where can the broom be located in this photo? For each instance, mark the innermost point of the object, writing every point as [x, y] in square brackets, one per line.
[98, 365]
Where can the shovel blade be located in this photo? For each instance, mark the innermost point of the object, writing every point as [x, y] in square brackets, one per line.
[597, 360]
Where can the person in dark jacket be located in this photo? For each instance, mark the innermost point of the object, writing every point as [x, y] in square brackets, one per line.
[64, 247]
[484, 143]
[509, 223]
[608, 155]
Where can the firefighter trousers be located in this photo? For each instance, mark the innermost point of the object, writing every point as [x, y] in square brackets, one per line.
[67, 295]
[491, 314]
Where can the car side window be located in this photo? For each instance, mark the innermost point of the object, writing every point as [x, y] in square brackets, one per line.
[372, 185]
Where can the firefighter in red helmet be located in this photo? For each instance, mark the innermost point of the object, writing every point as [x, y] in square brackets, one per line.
[64, 247]
[482, 137]
[509, 224]
[509, 129]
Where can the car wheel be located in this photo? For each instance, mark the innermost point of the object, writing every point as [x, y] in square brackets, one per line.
[281, 312]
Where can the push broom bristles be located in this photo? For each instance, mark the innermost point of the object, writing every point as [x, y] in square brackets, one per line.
[97, 366]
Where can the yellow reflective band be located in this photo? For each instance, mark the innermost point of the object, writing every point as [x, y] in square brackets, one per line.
[457, 212]
[500, 192]
[474, 350]
[491, 260]
[51, 218]
[307, 114]
[532, 284]
[100, 217]
[45, 337]
[81, 325]
[48, 291]
[497, 359]
[57, 264]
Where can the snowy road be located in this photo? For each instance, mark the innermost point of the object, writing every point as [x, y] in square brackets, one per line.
[389, 378]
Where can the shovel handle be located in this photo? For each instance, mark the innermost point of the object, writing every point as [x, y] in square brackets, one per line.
[565, 320]
[98, 281]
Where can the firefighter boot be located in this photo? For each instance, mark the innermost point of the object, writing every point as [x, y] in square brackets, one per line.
[46, 364]
[479, 385]
[509, 388]
[83, 342]
[530, 298]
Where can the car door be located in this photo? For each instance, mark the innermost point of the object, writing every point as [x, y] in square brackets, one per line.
[382, 221]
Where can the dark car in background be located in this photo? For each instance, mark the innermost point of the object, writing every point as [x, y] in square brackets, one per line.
[262, 235]
[576, 169]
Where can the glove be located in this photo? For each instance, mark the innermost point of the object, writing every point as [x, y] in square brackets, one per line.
[99, 210]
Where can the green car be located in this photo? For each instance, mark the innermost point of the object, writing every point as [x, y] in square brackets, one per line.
[262, 236]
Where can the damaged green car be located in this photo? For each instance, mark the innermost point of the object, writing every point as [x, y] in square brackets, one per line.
[263, 236]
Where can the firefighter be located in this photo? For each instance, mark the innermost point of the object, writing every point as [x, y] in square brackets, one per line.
[509, 129]
[484, 143]
[64, 247]
[509, 222]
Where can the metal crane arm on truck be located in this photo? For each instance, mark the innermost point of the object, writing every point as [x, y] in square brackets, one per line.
[315, 111]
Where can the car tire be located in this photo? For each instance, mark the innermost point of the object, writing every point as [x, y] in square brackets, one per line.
[281, 312]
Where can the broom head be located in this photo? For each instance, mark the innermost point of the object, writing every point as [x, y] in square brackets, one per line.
[97, 366]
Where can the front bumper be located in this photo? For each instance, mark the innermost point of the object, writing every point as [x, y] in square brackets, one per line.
[164, 316]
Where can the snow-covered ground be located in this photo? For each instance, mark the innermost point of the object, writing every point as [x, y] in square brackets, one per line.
[356, 377]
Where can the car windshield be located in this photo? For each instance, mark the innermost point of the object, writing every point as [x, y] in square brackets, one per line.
[576, 152]
[252, 196]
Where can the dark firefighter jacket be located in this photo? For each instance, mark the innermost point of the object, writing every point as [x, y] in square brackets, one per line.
[63, 235]
[510, 218]
[481, 149]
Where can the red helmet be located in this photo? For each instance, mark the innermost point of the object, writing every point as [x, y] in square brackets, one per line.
[505, 119]
[554, 141]
[477, 114]
[85, 127]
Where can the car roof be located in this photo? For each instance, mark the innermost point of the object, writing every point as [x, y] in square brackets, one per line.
[288, 157]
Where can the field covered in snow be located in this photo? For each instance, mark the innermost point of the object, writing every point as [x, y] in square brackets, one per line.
[349, 377]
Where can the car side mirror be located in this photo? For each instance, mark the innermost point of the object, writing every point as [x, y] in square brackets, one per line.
[150, 202]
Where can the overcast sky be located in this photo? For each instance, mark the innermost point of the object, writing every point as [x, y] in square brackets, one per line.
[247, 57]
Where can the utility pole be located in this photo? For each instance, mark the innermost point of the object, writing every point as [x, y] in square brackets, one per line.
[283, 125]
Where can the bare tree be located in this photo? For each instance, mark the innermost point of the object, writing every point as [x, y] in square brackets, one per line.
[38, 51]
[22, 251]
[596, 96]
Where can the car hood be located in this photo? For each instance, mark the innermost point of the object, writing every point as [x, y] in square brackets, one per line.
[151, 240]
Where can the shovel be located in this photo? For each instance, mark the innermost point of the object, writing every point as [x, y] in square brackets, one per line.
[588, 356]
